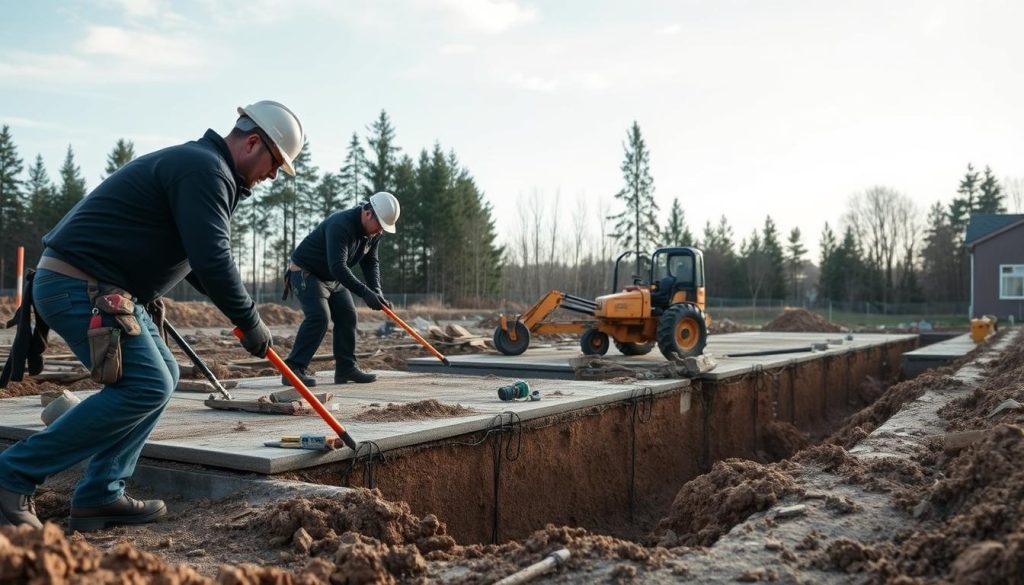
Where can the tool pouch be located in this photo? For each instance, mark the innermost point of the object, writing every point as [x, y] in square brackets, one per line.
[105, 353]
[120, 306]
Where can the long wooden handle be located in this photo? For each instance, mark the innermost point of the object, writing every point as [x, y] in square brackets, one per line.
[416, 335]
[310, 398]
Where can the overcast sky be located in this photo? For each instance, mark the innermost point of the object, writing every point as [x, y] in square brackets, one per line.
[749, 109]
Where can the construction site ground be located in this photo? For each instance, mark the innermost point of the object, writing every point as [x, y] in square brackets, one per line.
[923, 486]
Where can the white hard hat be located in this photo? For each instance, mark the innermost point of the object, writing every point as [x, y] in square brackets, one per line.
[281, 125]
[386, 207]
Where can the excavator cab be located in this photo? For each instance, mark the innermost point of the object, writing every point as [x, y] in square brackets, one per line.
[677, 276]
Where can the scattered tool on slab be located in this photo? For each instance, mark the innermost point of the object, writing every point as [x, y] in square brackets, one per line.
[304, 391]
[416, 336]
[261, 406]
[196, 360]
[306, 441]
[292, 395]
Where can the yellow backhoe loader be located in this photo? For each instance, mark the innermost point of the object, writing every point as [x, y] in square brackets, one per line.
[667, 310]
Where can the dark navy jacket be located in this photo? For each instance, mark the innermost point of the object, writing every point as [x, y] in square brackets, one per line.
[336, 245]
[159, 217]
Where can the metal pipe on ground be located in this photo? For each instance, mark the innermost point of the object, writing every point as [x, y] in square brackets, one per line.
[535, 570]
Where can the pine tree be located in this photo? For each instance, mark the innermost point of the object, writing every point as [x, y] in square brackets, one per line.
[399, 266]
[636, 227]
[722, 268]
[10, 196]
[676, 232]
[756, 263]
[991, 197]
[72, 186]
[351, 178]
[39, 194]
[328, 196]
[940, 276]
[827, 285]
[775, 280]
[961, 207]
[380, 166]
[795, 252]
[123, 153]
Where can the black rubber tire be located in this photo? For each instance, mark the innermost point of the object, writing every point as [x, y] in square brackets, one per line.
[504, 343]
[682, 331]
[630, 348]
[593, 342]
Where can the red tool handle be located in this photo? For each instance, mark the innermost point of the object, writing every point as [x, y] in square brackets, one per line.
[416, 336]
[310, 398]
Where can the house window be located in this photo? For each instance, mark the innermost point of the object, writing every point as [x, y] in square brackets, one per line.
[1011, 281]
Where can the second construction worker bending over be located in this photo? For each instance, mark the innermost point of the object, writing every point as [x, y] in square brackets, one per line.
[320, 276]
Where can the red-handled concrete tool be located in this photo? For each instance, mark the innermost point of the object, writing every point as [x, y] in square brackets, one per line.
[416, 336]
[310, 398]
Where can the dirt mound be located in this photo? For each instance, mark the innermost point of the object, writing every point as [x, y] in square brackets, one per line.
[709, 505]
[1005, 381]
[361, 510]
[202, 314]
[978, 511]
[781, 440]
[862, 423]
[413, 411]
[797, 320]
[46, 556]
[727, 325]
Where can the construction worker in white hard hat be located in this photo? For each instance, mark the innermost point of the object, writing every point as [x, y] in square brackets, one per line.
[320, 275]
[161, 218]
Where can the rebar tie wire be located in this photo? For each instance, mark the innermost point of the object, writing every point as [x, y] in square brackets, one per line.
[642, 402]
[505, 433]
[368, 461]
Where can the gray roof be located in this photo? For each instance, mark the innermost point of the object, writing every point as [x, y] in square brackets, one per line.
[983, 224]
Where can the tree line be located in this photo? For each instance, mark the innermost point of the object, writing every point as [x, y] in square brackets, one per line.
[880, 252]
[883, 249]
[445, 245]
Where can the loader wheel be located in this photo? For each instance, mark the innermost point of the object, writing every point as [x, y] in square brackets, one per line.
[504, 342]
[629, 348]
[682, 331]
[593, 342]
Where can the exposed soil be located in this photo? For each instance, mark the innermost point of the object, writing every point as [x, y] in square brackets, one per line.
[796, 320]
[413, 411]
[924, 516]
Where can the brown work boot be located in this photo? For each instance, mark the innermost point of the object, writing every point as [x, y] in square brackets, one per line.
[353, 374]
[125, 510]
[305, 375]
[17, 510]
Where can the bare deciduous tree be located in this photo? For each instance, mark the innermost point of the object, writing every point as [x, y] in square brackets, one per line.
[881, 217]
[1014, 188]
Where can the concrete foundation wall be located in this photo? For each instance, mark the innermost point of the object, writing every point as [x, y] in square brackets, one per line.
[577, 469]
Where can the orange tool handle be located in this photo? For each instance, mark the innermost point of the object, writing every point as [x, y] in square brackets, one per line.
[416, 336]
[310, 398]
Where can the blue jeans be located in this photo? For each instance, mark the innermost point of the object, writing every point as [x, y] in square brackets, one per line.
[110, 426]
[322, 300]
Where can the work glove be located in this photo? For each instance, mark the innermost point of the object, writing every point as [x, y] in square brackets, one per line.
[374, 300]
[257, 340]
[383, 301]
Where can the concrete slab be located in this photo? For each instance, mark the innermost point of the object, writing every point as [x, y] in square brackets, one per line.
[736, 354]
[936, 354]
[188, 432]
